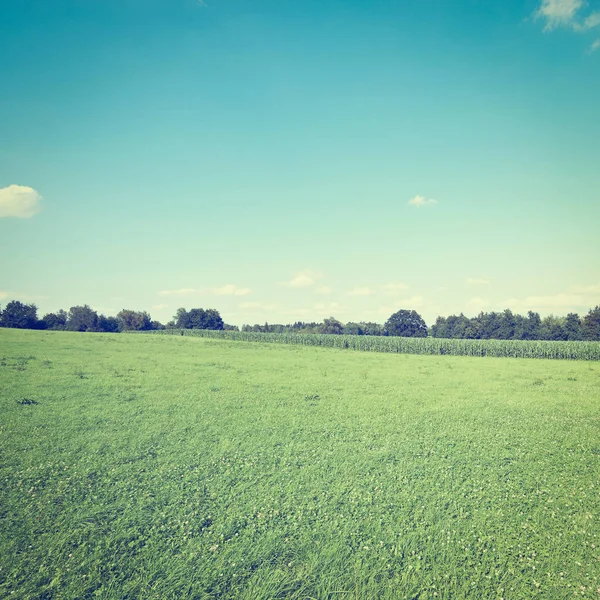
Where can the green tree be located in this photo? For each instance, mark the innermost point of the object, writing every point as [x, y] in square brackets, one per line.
[353, 329]
[532, 329]
[331, 326]
[196, 318]
[57, 320]
[372, 328]
[406, 323]
[590, 325]
[19, 315]
[552, 329]
[82, 318]
[133, 320]
[182, 319]
[213, 320]
[572, 327]
[108, 324]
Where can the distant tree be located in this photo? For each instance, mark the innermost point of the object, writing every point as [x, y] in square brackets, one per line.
[372, 328]
[440, 328]
[532, 327]
[552, 329]
[157, 325]
[133, 320]
[228, 327]
[406, 323]
[196, 318]
[572, 327]
[507, 323]
[590, 325]
[331, 326]
[19, 315]
[57, 320]
[82, 318]
[182, 319]
[353, 329]
[213, 319]
[108, 324]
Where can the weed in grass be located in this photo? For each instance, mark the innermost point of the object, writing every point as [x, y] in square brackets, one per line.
[80, 373]
[27, 401]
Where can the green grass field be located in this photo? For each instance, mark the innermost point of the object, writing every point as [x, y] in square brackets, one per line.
[183, 467]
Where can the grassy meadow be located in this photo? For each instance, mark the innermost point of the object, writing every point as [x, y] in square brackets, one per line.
[185, 467]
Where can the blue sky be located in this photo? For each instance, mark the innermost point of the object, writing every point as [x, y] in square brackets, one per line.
[285, 161]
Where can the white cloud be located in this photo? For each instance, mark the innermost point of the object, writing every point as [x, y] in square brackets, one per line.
[326, 306]
[558, 12]
[3, 294]
[477, 281]
[477, 304]
[323, 289]
[587, 289]
[592, 21]
[160, 306]
[302, 280]
[558, 302]
[411, 303]
[419, 201]
[595, 45]
[393, 289]
[295, 313]
[565, 13]
[225, 290]
[179, 292]
[306, 279]
[258, 306]
[230, 290]
[361, 291]
[19, 201]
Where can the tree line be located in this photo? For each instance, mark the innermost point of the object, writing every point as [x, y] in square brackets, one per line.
[84, 318]
[504, 325]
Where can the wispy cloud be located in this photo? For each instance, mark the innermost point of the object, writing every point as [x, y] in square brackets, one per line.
[306, 279]
[595, 45]
[558, 13]
[477, 281]
[3, 294]
[587, 289]
[411, 303]
[179, 292]
[230, 290]
[225, 290]
[19, 201]
[323, 289]
[419, 201]
[566, 13]
[361, 291]
[477, 304]
[160, 306]
[392, 289]
[560, 302]
[258, 306]
[328, 306]
[302, 280]
[592, 21]
[579, 298]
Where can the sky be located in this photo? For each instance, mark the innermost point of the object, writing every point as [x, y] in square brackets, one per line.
[283, 161]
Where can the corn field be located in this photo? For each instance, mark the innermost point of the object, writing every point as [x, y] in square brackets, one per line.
[457, 347]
